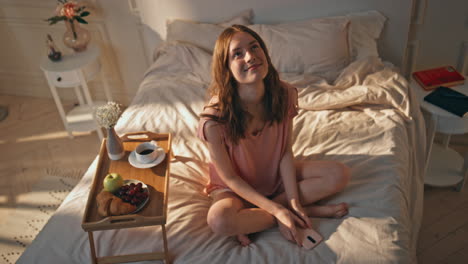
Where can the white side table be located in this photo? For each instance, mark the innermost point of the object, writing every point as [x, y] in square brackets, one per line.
[75, 70]
[444, 167]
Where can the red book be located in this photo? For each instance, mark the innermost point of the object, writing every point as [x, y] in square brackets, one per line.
[442, 76]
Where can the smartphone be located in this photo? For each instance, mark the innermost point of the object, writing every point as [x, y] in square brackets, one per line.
[310, 238]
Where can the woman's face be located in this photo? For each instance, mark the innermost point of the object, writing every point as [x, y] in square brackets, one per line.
[247, 60]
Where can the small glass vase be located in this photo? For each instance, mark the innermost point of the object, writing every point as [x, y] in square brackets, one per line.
[114, 145]
[76, 37]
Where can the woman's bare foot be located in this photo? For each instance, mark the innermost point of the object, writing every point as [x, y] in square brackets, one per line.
[244, 240]
[331, 210]
[342, 209]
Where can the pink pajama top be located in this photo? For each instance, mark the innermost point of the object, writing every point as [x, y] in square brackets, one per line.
[255, 159]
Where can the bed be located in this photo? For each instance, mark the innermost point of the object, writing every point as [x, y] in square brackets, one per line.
[354, 107]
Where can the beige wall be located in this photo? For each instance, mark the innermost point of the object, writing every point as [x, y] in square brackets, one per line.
[112, 25]
[439, 33]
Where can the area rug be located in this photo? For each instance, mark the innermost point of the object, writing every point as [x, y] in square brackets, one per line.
[34, 210]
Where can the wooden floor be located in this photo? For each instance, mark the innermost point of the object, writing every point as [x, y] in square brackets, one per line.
[32, 139]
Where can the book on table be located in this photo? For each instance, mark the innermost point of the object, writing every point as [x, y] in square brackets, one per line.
[442, 76]
[450, 100]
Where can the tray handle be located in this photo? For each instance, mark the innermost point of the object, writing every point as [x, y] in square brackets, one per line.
[141, 136]
[120, 220]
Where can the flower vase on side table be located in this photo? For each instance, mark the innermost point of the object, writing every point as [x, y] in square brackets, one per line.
[114, 145]
[76, 37]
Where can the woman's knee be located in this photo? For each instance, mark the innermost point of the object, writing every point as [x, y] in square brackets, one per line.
[221, 222]
[341, 176]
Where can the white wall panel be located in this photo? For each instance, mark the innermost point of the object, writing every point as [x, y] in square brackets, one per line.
[443, 33]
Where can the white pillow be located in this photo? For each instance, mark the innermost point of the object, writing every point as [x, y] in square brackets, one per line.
[318, 45]
[203, 35]
[308, 46]
[244, 18]
[364, 31]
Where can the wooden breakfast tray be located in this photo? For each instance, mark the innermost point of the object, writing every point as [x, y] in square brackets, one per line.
[156, 178]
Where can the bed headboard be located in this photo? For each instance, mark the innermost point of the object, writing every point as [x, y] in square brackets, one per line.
[392, 44]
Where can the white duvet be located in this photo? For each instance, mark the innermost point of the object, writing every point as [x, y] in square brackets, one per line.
[367, 119]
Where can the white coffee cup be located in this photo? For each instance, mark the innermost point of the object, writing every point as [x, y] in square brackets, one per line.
[146, 152]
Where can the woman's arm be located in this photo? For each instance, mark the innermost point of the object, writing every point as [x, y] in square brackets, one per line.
[288, 172]
[288, 175]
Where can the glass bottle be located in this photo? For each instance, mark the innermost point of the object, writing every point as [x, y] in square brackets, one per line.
[52, 51]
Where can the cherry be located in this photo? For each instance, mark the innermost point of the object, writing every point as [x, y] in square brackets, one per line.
[133, 193]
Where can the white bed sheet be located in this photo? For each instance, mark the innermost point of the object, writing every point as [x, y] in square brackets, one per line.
[365, 120]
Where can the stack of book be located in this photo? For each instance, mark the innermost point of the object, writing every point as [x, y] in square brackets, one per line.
[443, 76]
[450, 100]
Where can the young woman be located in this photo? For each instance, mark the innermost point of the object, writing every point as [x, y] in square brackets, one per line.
[247, 125]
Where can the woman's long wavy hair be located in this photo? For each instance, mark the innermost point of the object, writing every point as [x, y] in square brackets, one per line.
[224, 85]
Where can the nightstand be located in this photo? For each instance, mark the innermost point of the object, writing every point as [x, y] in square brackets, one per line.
[444, 166]
[75, 71]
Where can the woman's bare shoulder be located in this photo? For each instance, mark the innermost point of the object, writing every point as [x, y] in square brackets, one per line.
[213, 131]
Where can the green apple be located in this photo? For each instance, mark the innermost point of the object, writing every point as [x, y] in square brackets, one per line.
[112, 182]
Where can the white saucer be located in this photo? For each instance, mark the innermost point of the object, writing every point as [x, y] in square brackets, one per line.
[134, 162]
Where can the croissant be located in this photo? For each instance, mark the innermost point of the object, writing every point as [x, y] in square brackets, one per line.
[109, 204]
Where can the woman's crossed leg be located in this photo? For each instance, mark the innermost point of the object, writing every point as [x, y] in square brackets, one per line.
[231, 215]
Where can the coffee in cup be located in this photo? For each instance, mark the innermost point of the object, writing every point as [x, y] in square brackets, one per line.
[146, 152]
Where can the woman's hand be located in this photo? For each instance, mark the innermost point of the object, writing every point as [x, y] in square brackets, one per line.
[297, 208]
[287, 224]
